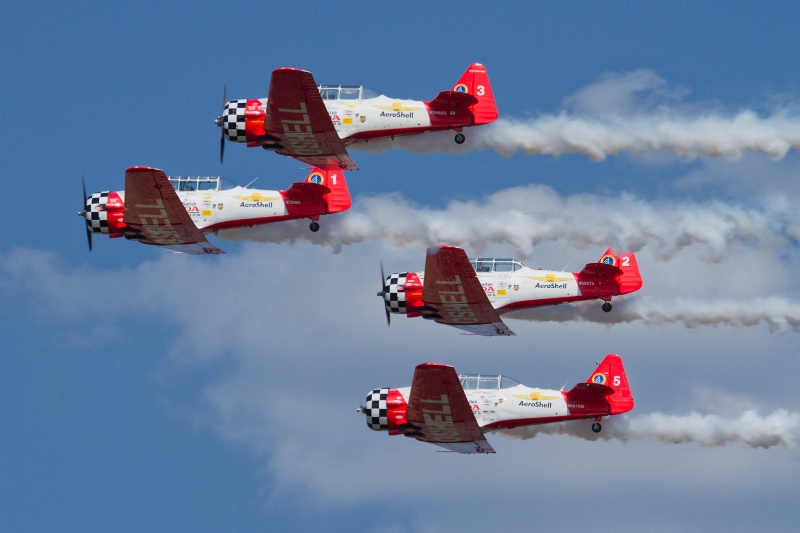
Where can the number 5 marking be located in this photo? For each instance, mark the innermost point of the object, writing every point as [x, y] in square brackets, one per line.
[616, 381]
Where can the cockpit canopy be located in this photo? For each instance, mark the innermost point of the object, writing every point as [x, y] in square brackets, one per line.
[206, 183]
[492, 264]
[486, 381]
[345, 92]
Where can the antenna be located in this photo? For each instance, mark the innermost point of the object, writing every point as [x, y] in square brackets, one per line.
[252, 182]
[565, 266]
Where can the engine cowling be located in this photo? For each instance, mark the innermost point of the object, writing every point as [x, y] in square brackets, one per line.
[104, 212]
[243, 121]
[385, 410]
[402, 293]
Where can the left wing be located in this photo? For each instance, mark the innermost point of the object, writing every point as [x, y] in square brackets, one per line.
[298, 119]
[438, 406]
[454, 296]
[157, 216]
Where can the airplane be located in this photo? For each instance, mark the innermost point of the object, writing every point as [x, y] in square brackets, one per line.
[315, 124]
[456, 411]
[472, 294]
[177, 212]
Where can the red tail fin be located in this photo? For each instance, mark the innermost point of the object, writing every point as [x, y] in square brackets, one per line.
[475, 81]
[338, 198]
[611, 373]
[630, 280]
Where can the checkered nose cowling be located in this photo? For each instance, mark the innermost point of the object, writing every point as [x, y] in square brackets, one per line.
[393, 294]
[95, 212]
[234, 121]
[377, 410]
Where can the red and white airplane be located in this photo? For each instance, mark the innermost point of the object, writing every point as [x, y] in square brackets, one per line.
[315, 123]
[456, 411]
[176, 213]
[472, 294]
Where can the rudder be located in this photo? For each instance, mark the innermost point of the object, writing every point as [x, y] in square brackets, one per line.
[338, 199]
[475, 81]
[631, 279]
[611, 373]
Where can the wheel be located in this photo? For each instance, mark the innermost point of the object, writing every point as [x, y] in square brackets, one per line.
[596, 427]
[460, 138]
[606, 307]
[314, 226]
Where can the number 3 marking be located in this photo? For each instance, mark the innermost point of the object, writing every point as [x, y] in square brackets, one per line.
[481, 90]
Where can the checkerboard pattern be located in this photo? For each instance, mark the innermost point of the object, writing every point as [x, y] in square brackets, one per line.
[96, 214]
[375, 409]
[233, 121]
[394, 299]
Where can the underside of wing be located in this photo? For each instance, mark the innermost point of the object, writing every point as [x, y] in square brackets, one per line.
[440, 413]
[155, 215]
[299, 124]
[453, 295]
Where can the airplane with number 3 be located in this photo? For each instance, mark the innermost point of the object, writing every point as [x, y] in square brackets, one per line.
[456, 411]
[176, 213]
[472, 294]
[316, 123]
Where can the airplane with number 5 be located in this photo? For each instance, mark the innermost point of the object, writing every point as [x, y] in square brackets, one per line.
[472, 294]
[315, 123]
[456, 411]
[177, 213]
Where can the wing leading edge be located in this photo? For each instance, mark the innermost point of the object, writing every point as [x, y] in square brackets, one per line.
[453, 295]
[298, 119]
[439, 408]
[155, 215]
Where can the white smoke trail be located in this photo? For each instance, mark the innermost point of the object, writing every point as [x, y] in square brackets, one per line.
[780, 428]
[779, 314]
[631, 112]
[527, 216]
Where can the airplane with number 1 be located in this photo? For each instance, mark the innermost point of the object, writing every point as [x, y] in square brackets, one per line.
[178, 212]
[456, 411]
[315, 124]
[472, 294]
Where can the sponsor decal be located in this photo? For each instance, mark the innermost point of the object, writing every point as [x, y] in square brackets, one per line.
[187, 203]
[192, 209]
[534, 395]
[501, 292]
[608, 259]
[362, 119]
[396, 107]
[256, 197]
[439, 421]
[267, 205]
[551, 286]
[543, 405]
[219, 206]
[206, 212]
[488, 287]
[348, 120]
[599, 378]
[461, 88]
[299, 137]
[454, 302]
[550, 278]
[516, 286]
[317, 178]
[157, 225]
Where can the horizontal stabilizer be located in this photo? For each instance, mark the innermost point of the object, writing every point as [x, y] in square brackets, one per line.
[303, 190]
[600, 270]
[454, 100]
[590, 390]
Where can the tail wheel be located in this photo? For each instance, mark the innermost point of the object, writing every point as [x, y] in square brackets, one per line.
[460, 138]
[314, 226]
[596, 427]
[607, 307]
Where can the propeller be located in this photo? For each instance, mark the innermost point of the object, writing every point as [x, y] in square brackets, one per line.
[381, 293]
[220, 121]
[83, 215]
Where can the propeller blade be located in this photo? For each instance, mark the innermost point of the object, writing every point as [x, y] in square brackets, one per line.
[83, 213]
[383, 285]
[222, 123]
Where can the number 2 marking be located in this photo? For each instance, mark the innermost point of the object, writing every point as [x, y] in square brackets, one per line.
[626, 260]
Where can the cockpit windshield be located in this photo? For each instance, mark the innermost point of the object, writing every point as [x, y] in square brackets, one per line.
[493, 264]
[207, 183]
[346, 92]
[486, 381]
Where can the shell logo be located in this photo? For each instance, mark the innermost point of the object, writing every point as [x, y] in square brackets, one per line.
[609, 259]
[599, 379]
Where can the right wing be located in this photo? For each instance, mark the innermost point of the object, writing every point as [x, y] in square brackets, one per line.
[438, 407]
[299, 120]
[155, 215]
[454, 296]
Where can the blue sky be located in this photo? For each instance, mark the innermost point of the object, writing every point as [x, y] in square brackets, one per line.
[141, 390]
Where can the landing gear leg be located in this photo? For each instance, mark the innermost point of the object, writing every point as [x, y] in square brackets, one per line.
[596, 427]
[607, 307]
[460, 138]
[314, 226]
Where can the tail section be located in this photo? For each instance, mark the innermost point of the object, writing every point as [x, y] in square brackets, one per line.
[630, 280]
[475, 81]
[611, 373]
[338, 199]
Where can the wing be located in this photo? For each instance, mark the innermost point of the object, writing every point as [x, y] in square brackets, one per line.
[298, 119]
[439, 408]
[155, 214]
[454, 296]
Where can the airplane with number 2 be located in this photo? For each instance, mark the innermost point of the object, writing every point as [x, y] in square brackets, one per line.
[456, 411]
[316, 123]
[472, 294]
[176, 213]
